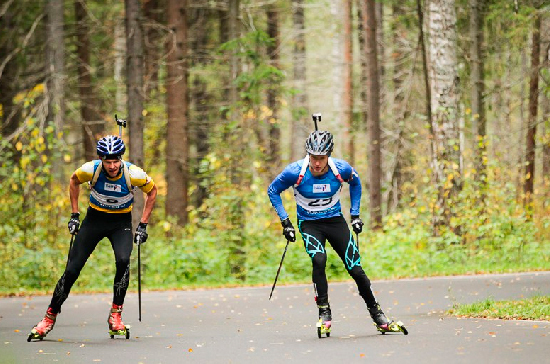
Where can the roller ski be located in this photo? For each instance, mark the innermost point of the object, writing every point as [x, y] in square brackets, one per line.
[325, 320]
[382, 323]
[42, 329]
[116, 326]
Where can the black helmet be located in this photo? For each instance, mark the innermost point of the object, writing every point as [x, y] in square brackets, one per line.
[319, 143]
[110, 146]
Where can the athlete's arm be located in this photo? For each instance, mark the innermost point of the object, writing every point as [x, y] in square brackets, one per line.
[355, 192]
[350, 175]
[74, 191]
[287, 178]
[150, 198]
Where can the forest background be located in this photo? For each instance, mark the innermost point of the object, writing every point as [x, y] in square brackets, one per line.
[442, 106]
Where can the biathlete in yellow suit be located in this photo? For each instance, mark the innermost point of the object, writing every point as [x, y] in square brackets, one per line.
[112, 181]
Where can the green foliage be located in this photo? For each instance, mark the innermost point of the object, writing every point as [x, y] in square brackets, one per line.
[534, 308]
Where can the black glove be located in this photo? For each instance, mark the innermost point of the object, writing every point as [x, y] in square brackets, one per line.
[141, 235]
[357, 224]
[288, 230]
[74, 223]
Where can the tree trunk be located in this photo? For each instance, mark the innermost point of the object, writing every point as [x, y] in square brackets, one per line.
[176, 99]
[201, 100]
[299, 100]
[11, 115]
[444, 107]
[348, 83]
[528, 186]
[273, 49]
[153, 13]
[400, 111]
[134, 79]
[237, 253]
[92, 123]
[373, 114]
[56, 75]
[363, 63]
[118, 69]
[337, 69]
[545, 102]
[381, 49]
[478, 88]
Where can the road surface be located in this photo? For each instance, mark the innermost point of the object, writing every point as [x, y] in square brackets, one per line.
[240, 325]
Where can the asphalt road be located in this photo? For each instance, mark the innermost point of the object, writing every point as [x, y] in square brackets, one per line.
[240, 325]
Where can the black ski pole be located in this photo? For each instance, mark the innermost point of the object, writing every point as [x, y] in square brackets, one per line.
[70, 248]
[139, 276]
[279, 270]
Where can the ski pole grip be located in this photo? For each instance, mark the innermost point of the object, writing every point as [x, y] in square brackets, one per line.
[316, 118]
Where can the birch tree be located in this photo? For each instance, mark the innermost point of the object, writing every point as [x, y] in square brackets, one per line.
[444, 84]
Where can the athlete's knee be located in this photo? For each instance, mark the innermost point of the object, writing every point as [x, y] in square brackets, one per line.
[319, 261]
[359, 275]
[72, 272]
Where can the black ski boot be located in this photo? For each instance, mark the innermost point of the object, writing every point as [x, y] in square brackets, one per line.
[325, 319]
[383, 324]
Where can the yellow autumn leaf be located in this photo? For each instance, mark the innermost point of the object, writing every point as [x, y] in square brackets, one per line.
[67, 158]
[19, 146]
[24, 162]
[44, 158]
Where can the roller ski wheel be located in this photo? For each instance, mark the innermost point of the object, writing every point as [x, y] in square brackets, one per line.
[392, 327]
[35, 336]
[124, 332]
[323, 328]
[42, 329]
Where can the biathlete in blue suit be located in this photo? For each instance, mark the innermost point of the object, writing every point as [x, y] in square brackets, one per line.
[317, 181]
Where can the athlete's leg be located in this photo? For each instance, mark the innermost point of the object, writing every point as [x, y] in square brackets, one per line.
[86, 240]
[121, 241]
[341, 240]
[314, 243]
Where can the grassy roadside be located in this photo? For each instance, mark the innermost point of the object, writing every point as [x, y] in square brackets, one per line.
[534, 308]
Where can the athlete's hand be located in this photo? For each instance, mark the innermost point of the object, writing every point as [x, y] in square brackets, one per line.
[141, 235]
[74, 223]
[288, 230]
[357, 224]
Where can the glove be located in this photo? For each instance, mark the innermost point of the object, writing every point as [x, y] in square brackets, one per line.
[288, 230]
[357, 224]
[74, 223]
[140, 237]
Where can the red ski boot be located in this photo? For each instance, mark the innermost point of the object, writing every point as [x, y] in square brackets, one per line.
[116, 326]
[43, 327]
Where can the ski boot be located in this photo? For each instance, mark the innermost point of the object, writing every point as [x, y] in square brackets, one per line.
[383, 324]
[116, 326]
[325, 320]
[43, 327]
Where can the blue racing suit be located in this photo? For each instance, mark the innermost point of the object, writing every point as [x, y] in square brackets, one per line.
[320, 219]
